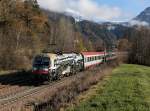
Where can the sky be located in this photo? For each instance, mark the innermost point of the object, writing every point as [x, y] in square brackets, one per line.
[98, 10]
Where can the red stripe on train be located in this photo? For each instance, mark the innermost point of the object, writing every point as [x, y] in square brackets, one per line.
[93, 53]
[40, 72]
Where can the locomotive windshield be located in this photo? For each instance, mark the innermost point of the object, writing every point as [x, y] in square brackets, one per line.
[41, 61]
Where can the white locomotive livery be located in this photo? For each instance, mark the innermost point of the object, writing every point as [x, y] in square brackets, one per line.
[55, 66]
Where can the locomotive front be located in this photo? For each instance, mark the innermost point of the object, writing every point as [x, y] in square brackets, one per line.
[41, 65]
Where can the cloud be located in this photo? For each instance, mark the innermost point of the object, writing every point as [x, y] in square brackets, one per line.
[53, 5]
[88, 9]
[139, 23]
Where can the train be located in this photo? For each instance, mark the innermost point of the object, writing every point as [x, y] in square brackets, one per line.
[53, 66]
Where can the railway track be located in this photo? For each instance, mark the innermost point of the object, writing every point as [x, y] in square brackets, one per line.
[10, 99]
[12, 90]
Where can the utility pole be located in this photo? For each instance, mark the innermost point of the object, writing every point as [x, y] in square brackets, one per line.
[52, 42]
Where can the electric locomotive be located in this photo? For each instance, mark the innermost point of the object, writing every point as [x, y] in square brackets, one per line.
[54, 66]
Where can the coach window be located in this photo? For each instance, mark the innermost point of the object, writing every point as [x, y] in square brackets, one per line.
[88, 59]
[95, 57]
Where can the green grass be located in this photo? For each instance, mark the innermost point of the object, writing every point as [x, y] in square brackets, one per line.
[128, 89]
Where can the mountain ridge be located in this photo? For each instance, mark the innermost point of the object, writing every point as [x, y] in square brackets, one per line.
[144, 16]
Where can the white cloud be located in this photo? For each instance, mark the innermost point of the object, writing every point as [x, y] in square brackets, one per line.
[53, 5]
[139, 23]
[88, 9]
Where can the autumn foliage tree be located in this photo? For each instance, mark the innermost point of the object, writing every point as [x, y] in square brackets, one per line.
[124, 44]
[21, 24]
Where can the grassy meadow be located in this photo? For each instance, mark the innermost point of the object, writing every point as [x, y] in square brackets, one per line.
[127, 89]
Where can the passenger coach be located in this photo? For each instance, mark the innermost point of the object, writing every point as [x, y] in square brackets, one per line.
[93, 58]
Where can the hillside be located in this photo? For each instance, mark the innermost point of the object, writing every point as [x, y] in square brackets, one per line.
[96, 32]
[107, 31]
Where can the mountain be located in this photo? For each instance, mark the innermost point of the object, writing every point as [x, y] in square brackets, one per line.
[88, 29]
[107, 32]
[144, 16]
[95, 32]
